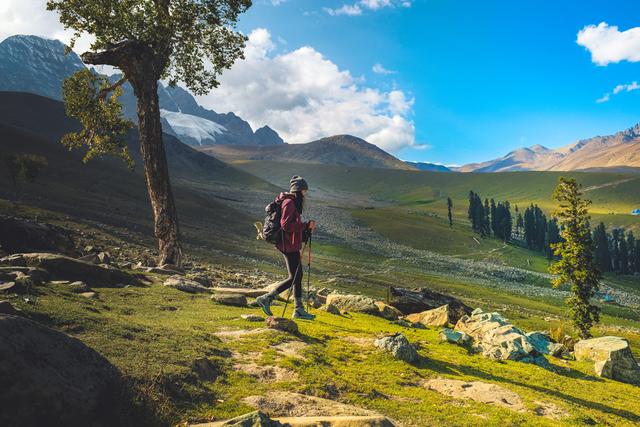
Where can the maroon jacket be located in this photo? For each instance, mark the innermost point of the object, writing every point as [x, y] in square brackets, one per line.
[291, 224]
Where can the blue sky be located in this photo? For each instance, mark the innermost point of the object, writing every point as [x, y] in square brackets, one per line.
[486, 77]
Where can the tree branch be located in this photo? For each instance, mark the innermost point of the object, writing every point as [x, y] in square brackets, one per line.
[113, 55]
[105, 91]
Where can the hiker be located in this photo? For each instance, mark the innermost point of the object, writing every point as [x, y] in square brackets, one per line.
[294, 233]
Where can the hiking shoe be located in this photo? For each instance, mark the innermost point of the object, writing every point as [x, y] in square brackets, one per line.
[264, 302]
[301, 313]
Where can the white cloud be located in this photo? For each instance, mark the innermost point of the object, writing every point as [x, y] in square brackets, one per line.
[379, 69]
[357, 8]
[609, 45]
[629, 87]
[304, 96]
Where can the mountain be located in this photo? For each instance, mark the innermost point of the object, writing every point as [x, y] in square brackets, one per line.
[342, 150]
[618, 151]
[430, 167]
[37, 65]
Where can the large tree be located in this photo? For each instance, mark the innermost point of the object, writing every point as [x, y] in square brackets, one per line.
[576, 266]
[189, 41]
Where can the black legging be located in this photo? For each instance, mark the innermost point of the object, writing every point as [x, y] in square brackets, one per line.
[293, 266]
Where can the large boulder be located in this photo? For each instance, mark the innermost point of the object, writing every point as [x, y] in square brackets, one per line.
[61, 267]
[51, 378]
[438, 317]
[387, 311]
[399, 346]
[356, 303]
[23, 235]
[498, 339]
[183, 284]
[612, 358]
[417, 300]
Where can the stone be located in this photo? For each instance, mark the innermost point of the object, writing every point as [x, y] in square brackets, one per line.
[163, 270]
[90, 295]
[355, 303]
[78, 287]
[183, 284]
[399, 346]
[48, 375]
[337, 421]
[388, 312]
[417, 300]
[7, 308]
[454, 337]
[498, 339]
[438, 317]
[247, 292]
[205, 369]
[91, 258]
[478, 391]
[10, 287]
[540, 340]
[282, 324]
[203, 279]
[330, 308]
[230, 299]
[23, 235]
[253, 419]
[15, 260]
[252, 317]
[61, 267]
[104, 258]
[612, 358]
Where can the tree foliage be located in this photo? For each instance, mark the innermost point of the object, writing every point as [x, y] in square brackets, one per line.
[576, 266]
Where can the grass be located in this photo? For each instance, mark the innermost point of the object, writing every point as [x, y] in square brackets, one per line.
[153, 334]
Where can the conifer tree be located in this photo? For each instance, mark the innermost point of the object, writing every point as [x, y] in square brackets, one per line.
[601, 248]
[631, 248]
[576, 266]
[449, 214]
[486, 221]
[624, 255]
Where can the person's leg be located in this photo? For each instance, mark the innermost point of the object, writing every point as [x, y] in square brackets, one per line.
[299, 312]
[292, 261]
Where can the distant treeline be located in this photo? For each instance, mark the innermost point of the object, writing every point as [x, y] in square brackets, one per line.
[495, 219]
[615, 251]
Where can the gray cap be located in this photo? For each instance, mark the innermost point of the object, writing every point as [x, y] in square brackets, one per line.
[298, 183]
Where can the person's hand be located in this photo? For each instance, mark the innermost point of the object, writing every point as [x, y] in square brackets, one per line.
[311, 226]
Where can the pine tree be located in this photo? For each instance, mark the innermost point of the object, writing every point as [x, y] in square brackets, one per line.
[616, 236]
[494, 219]
[637, 256]
[624, 255]
[631, 248]
[471, 212]
[553, 237]
[189, 41]
[486, 222]
[449, 215]
[519, 224]
[576, 266]
[601, 248]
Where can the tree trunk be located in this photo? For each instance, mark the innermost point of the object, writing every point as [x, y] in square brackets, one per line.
[156, 172]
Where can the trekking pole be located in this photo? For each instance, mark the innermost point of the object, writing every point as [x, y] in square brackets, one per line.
[309, 273]
[295, 275]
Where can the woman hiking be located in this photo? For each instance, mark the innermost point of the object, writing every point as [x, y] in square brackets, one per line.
[294, 233]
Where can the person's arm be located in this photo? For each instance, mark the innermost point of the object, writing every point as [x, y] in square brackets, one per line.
[287, 221]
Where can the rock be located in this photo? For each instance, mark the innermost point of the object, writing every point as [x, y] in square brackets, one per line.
[612, 358]
[203, 279]
[399, 346]
[90, 295]
[478, 391]
[10, 287]
[498, 339]
[454, 337]
[15, 260]
[185, 285]
[61, 267]
[7, 308]
[78, 287]
[437, 317]
[205, 369]
[104, 258]
[421, 299]
[252, 317]
[247, 292]
[330, 308]
[23, 235]
[91, 258]
[282, 324]
[388, 312]
[164, 270]
[253, 419]
[230, 299]
[540, 340]
[405, 324]
[356, 303]
[47, 375]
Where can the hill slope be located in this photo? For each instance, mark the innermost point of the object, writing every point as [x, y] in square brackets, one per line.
[619, 150]
[343, 150]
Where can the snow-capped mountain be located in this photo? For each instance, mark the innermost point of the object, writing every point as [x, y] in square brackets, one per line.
[38, 65]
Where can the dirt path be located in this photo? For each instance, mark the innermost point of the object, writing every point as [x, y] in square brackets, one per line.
[608, 184]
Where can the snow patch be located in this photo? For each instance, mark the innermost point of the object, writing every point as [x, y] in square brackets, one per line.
[193, 127]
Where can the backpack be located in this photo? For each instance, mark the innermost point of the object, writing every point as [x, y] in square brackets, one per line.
[271, 230]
